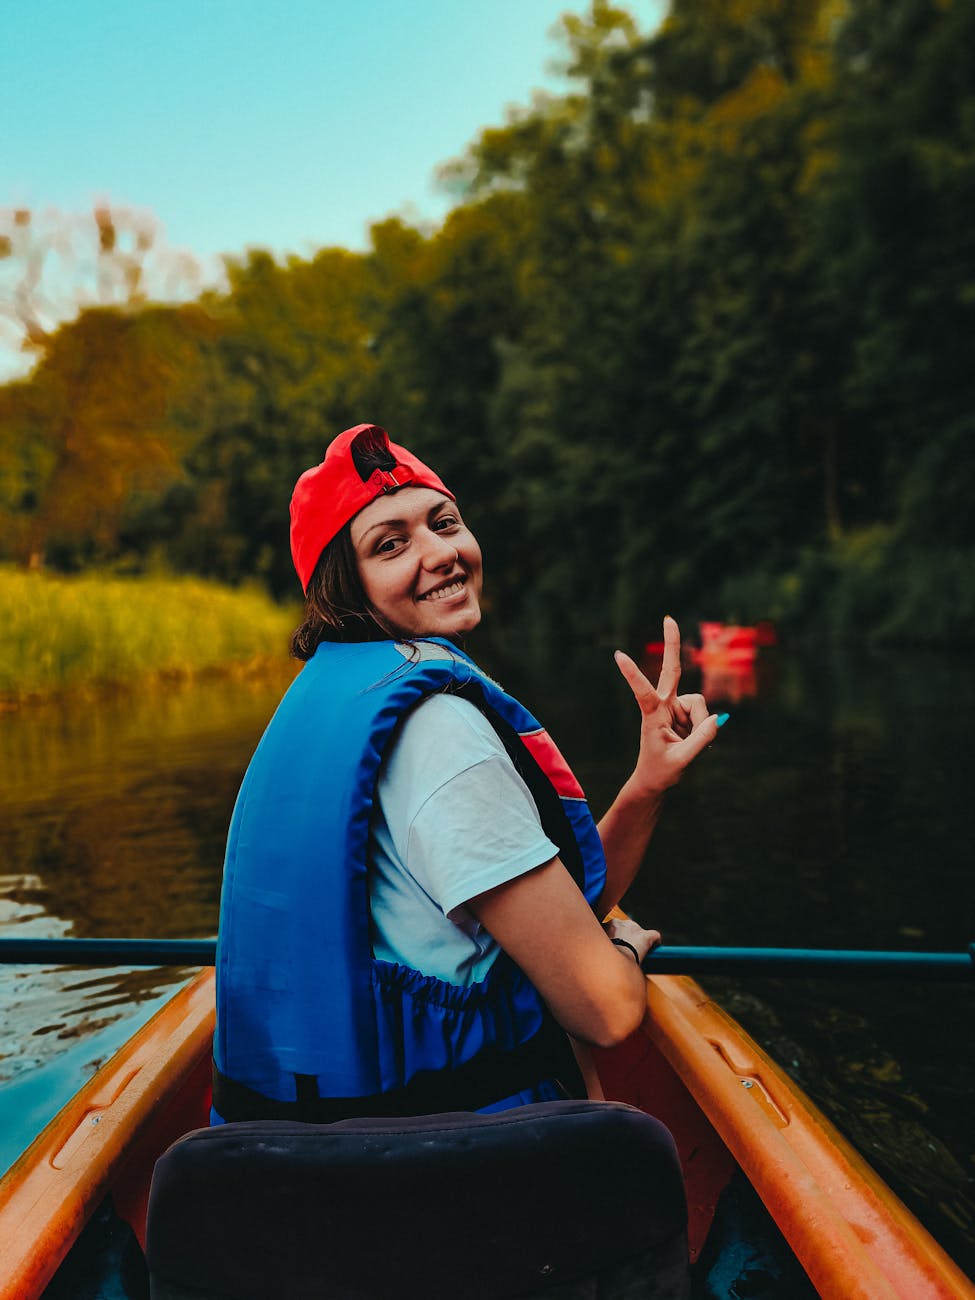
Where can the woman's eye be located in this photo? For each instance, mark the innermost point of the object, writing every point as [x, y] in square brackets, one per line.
[445, 522]
[386, 546]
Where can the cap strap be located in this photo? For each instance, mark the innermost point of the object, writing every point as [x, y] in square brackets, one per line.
[391, 479]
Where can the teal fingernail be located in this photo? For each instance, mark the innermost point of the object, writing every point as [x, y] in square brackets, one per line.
[723, 718]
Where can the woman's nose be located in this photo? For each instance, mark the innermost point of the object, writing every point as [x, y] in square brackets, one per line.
[438, 550]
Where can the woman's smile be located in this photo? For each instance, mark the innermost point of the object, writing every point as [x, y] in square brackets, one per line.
[419, 564]
[452, 588]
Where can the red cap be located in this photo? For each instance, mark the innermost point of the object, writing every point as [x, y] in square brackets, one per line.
[328, 495]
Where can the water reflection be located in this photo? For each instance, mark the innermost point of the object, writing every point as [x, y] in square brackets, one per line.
[832, 811]
[113, 816]
[114, 813]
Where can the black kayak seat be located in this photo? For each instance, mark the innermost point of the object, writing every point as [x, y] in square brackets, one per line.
[570, 1200]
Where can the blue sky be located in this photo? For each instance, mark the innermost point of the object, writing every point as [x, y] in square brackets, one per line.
[287, 125]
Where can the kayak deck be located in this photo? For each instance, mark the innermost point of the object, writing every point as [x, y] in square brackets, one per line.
[725, 1101]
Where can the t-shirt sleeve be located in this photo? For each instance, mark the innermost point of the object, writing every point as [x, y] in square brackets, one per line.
[462, 818]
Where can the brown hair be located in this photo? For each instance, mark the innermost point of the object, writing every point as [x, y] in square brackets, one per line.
[336, 606]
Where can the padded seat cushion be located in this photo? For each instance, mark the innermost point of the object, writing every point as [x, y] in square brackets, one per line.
[524, 1202]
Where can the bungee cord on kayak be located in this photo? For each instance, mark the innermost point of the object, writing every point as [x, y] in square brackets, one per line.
[665, 959]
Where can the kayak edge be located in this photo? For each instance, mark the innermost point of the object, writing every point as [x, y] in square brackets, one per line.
[851, 1233]
[52, 1189]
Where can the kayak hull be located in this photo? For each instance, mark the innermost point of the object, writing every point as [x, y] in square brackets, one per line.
[729, 1107]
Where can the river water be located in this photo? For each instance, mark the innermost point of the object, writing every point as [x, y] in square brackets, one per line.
[834, 810]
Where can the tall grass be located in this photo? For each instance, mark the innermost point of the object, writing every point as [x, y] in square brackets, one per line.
[62, 633]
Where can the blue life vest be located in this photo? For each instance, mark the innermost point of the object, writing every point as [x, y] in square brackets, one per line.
[310, 1025]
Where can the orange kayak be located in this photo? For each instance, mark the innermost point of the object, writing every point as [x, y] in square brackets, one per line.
[738, 1121]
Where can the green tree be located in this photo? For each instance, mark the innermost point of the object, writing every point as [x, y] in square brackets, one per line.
[896, 247]
[282, 371]
[87, 427]
[661, 413]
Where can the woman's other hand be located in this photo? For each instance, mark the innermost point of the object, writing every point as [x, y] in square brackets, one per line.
[673, 728]
[625, 928]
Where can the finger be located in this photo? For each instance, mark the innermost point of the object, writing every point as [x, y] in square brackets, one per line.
[695, 707]
[638, 683]
[670, 668]
[685, 751]
[682, 723]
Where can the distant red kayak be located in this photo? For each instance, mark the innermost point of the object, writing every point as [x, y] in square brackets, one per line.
[729, 643]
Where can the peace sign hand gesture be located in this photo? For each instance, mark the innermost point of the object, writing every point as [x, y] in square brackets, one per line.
[674, 728]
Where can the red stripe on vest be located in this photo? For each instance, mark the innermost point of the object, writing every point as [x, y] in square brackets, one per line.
[545, 752]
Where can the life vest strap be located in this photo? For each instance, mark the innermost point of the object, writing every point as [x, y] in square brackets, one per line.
[488, 1077]
[551, 811]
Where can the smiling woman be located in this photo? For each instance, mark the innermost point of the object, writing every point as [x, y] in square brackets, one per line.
[414, 884]
[421, 572]
[365, 578]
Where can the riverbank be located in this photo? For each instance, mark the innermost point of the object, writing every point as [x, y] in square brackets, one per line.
[97, 631]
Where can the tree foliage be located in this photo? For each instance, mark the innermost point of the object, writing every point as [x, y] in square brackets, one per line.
[90, 428]
[696, 335]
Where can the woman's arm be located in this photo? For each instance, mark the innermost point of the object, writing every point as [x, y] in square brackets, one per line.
[594, 988]
[673, 731]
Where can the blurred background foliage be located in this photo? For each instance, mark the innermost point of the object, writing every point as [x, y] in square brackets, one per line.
[697, 336]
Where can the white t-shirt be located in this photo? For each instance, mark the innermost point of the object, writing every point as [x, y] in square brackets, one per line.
[452, 819]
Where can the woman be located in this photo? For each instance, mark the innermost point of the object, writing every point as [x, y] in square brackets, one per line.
[410, 919]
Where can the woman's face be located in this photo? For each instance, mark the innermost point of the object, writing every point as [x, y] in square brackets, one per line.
[420, 566]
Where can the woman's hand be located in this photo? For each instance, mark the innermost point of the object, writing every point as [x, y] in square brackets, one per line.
[624, 927]
[673, 729]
